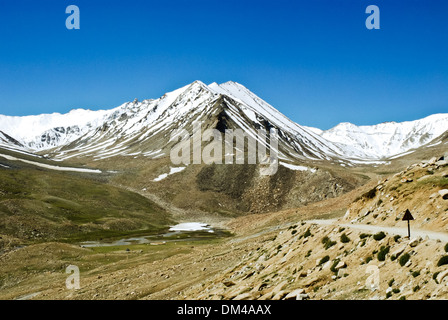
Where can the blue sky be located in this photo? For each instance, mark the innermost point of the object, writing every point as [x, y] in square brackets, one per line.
[313, 60]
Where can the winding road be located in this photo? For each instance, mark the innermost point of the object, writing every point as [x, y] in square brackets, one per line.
[401, 231]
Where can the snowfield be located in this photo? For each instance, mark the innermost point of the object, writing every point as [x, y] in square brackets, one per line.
[48, 166]
[191, 226]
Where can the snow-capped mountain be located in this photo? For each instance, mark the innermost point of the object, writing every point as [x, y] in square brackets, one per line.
[8, 141]
[45, 131]
[387, 139]
[144, 128]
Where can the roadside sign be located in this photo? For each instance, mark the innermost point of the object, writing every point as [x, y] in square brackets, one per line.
[408, 217]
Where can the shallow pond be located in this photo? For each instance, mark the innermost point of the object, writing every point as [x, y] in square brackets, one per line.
[189, 231]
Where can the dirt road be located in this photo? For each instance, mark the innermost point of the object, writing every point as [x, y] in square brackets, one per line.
[402, 231]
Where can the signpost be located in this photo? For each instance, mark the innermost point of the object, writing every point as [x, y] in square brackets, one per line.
[408, 217]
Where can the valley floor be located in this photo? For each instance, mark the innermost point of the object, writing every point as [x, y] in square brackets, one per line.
[145, 271]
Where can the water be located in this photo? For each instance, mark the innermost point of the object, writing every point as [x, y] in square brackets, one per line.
[182, 232]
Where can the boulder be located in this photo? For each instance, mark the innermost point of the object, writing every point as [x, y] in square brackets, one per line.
[279, 289]
[341, 272]
[303, 296]
[433, 160]
[441, 163]
[444, 194]
[229, 283]
[414, 242]
[340, 265]
[244, 296]
[347, 214]
[395, 254]
[441, 275]
[326, 265]
[434, 195]
[266, 296]
[280, 295]
[293, 295]
[311, 282]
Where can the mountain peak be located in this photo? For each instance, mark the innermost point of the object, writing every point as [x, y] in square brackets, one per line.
[199, 83]
[232, 83]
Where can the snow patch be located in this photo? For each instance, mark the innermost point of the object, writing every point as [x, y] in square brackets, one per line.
[172, 171]
[191, 226]
[297, 168]
[51, 167]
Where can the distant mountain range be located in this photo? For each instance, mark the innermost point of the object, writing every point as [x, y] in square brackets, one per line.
[143, 128]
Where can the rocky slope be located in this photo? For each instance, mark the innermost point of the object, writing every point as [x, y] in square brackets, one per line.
[421, 188]
[337, 260]
[308, 261]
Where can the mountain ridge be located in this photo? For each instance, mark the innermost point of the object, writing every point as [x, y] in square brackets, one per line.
[119, 130]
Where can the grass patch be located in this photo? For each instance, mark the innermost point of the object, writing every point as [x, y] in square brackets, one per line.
[307, 233]
[367, 260]
[436, 181]
[333, 266]
[382, 253]
[324, 259]
[442, 261]
[379, 236]
[415, 274]
[404, 259]
[328, 243]
[72, 207]
[345, 238]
